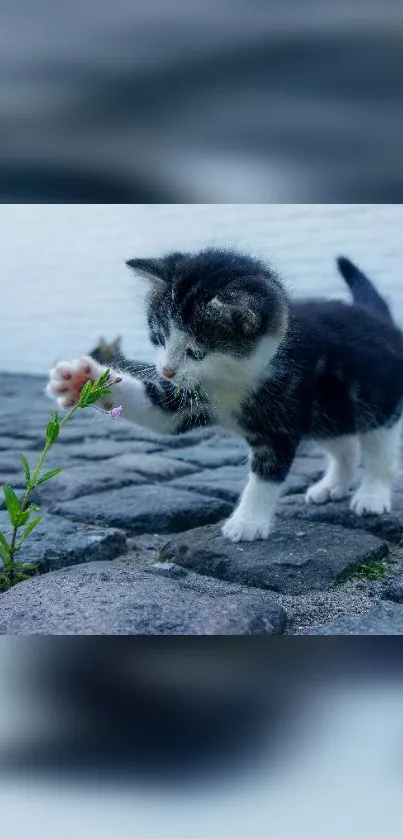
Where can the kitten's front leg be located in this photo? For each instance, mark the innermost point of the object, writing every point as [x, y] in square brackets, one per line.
[150, 404]
[253, 517]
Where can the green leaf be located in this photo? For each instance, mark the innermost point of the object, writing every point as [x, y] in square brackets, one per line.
[46, 477]
[25, 466]
[3, 541]
[86, 390]
[23, 517]
[4, 555]
[29, 530]
[4, 546]
[12, 503]
[95, 396]
[101, 391]
[32, 508]
[53, 429]
[103, 379]
[93, 393]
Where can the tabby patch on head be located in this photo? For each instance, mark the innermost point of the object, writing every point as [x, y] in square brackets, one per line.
[208, 310]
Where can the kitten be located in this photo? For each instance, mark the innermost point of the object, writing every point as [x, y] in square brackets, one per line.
[275, 371]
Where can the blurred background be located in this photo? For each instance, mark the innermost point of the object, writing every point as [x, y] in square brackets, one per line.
[225, 100]
[66, 283]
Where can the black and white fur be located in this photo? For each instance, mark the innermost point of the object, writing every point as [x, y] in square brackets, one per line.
[274, 371]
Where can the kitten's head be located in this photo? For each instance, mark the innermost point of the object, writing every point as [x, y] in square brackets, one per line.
[216, 316]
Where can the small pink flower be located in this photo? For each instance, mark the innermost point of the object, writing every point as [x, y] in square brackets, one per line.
[116, 412]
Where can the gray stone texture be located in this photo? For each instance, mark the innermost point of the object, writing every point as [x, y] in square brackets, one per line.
[123, 599]
[299, 557]
[57, 543]
[385, 619]
[149, 508]
[134, 522]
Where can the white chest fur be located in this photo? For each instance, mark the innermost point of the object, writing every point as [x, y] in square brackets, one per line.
[226, 404]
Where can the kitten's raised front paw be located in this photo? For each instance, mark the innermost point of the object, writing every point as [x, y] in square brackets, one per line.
[241, 529]
[68, 378]
[372, 501]
[322, 492]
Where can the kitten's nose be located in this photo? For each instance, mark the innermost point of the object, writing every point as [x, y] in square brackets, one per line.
[168, 373]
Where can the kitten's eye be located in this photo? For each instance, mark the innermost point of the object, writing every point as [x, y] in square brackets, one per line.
[197, 355]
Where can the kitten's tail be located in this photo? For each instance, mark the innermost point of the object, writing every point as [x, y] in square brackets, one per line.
[363, 291]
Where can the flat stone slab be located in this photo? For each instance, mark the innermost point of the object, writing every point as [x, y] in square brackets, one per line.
[145, 509]
[10, 462]
[152, 466]
[126, 431]
[105, 449]
[298, 557]
[58, 543]
[206, 457]
[389, 527]
[226, 482]
[123, 599]
[76, 481]
[12, 443]
[92, 478]
[386, 619]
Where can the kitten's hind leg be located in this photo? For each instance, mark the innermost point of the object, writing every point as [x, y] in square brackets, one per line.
[343, 461]
[381, 454]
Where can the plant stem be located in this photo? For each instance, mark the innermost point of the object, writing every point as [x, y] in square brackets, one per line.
[86, 399]
[29, 489]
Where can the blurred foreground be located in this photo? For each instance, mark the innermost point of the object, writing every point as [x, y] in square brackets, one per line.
[120, 738]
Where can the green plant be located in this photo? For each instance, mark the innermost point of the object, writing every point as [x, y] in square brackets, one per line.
[371, 571]
[21, 512]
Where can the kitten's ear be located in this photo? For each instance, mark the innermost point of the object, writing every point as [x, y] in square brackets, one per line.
[152, 269]
[231, 314]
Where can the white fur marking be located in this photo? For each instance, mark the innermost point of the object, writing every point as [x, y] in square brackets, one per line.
[381, 454]
[253, 518]
[172, 355]
[343, 456]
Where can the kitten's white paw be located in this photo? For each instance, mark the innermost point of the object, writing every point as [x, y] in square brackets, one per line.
[241, 529]
[322, 492]
[68, 378]
[372, 501]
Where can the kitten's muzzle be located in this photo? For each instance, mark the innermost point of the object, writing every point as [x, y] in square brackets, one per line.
[168, 373]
